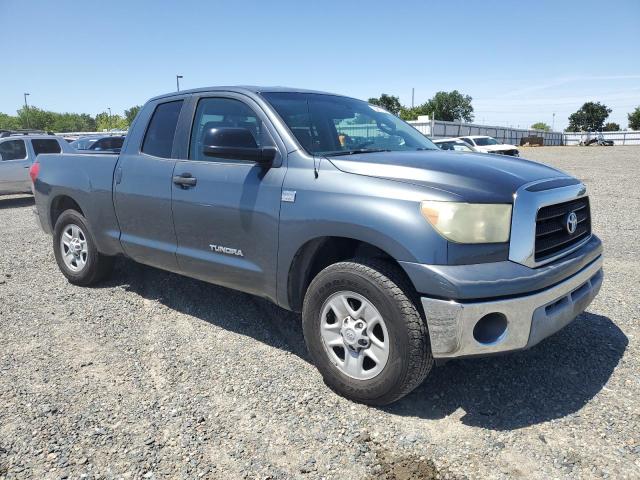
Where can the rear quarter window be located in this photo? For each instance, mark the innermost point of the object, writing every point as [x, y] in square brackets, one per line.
[13, 150]
[45, 145]
[158, 141]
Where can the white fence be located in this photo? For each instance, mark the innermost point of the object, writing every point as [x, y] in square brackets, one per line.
[619, 138]
[442, 129]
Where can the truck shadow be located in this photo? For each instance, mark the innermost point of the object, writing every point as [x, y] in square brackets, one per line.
[16, 202]
[552, 380]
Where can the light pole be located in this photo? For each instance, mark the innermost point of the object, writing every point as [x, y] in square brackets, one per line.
[26, 108]
[553, 121]
[178, 77]
[109, 119]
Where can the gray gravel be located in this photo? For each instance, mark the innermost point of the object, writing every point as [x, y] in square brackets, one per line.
[153, 375]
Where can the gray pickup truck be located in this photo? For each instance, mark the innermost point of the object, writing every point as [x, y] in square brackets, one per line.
[396, 253]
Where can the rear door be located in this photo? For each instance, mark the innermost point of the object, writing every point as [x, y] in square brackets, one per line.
[142, 187]
[14, 166]
[227, 221]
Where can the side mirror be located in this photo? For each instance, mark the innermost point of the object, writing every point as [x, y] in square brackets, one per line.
[236, 144]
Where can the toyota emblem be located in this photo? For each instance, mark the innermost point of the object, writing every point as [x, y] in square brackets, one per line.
[572, 223]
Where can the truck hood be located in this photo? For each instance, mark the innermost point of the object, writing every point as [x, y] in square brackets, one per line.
[469, 177]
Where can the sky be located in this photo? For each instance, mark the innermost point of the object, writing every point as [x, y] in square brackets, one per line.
[520, 61]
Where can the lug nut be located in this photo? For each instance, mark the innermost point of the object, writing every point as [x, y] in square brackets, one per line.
[359, 325]
[362, 342]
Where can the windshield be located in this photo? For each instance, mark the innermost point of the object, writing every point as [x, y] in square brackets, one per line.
[484, 141]
[332, 125]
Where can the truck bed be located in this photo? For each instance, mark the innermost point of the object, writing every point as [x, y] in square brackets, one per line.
[88, 179]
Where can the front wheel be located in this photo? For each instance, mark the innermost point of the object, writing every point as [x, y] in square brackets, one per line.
[365, 333]
[76, 252]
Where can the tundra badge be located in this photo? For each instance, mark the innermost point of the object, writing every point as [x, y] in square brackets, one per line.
[227, 250]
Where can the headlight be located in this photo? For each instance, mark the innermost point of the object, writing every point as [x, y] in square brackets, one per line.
[469, 222]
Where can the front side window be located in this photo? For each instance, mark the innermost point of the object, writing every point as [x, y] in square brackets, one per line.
[42, 145]
[158, 141]
[13, 150]
[469, 141]
[225, 113]
[334, 125]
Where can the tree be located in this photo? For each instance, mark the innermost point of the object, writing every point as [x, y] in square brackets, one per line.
[541, 126]
[130, 114]
[34, 117]
[413, 113]
[7, 122]
[388, 102]
[450, 106]
[634, 119]
[611, 127]
[104, 121]
[589, 118]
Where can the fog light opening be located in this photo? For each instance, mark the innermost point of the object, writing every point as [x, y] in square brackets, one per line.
[491, 328]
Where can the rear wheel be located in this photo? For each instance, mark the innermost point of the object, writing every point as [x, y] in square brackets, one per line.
[364, 331]
[76, 252]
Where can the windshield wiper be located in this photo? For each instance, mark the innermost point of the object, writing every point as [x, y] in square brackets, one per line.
[357, 150]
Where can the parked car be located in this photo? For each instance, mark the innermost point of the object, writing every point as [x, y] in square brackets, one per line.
[395, 252]
[105, 143]
[454, 144]
[18, 150]
[487, 144]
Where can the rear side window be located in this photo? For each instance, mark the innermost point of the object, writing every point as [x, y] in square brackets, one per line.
[158, 141]
[13, 150]
[45, 145]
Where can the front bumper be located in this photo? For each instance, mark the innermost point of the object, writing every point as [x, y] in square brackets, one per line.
[455, 328]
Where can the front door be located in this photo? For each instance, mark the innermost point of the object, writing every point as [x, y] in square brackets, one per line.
[14, 167]
[226, 220]
[142, 189]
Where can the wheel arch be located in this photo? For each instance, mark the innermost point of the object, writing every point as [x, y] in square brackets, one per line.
[61, 203]
[320, 252]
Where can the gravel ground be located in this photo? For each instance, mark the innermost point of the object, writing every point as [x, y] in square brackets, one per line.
[153, 375]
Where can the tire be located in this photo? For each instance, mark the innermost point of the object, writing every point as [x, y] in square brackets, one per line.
[87, 266]
[383, 286]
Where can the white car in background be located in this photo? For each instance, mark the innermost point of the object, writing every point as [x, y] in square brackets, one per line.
[454, 144]
[486, 144]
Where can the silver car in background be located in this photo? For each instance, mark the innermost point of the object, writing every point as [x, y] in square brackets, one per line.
[18, 151]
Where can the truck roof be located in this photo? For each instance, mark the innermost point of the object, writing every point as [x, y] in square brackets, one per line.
[251, 89]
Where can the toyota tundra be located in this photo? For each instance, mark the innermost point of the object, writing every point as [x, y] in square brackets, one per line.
[396, 253]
